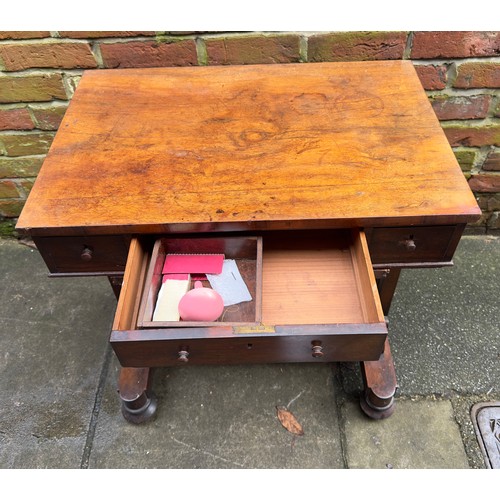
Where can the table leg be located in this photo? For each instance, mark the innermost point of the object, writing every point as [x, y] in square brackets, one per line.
[139, 404]
[116, 284]
[387, 280]
[379, 377]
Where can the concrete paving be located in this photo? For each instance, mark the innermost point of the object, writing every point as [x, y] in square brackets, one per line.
[60, 409]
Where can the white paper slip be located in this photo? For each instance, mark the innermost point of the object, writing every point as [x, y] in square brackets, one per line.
[167, 304]
[229, 284]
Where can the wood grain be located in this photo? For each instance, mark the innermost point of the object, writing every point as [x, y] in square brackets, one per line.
[239, 147]
[313, 281]
[133, 280]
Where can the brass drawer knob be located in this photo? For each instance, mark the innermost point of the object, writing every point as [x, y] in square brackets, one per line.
[317, 349]
[183, 356]
[86, 254]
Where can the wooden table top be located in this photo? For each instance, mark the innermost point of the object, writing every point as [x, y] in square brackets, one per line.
[248, 147]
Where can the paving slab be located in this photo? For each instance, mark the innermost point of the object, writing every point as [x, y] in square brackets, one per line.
[52, 345]
[225, 417]
[446, 323]
[421, 434]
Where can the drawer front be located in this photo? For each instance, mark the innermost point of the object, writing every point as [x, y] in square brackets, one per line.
[157, 348]
[413, 245]
[84, 254]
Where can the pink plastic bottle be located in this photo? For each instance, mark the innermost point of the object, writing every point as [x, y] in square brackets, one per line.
[201, 304]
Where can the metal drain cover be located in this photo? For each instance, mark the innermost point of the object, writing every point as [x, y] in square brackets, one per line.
[486, 420]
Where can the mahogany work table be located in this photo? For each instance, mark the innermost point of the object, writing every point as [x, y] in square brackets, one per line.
[325, 178]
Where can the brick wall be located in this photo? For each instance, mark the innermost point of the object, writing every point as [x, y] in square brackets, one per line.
[39, 71]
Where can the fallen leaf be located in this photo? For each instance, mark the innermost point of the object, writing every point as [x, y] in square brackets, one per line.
[288, 421]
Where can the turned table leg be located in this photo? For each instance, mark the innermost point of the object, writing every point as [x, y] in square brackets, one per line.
[387, 280]
[116, 285]
[139, 404]
[379, 377]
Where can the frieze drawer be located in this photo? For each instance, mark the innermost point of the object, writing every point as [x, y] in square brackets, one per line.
[84, 254]
[419, 245]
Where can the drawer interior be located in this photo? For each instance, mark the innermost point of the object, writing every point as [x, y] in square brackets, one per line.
[245, 251]
[318, 278]
[295, 278]
[317, 301]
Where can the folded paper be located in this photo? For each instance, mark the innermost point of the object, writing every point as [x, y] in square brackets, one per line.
[229, 284]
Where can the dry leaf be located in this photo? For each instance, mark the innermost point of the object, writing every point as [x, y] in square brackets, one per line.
[288, 421]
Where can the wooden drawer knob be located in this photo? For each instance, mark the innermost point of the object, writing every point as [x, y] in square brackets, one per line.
[183, 356]
[317, 349]
[410, 245]
[86, 254]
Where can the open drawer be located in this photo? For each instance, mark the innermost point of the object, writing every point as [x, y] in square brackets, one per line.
[315, 299]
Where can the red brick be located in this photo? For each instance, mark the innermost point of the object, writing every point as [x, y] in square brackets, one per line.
[8, 189]
[27, 143]
[48, 118]
[466, 158]
[455, 44]
[432, 77]
[488, 202]
[473, 135]
[461, 107]
[32, 88]
[492, 161]
[356, 46]
[68, 55]
[485, 183]
[15, 119]
[493, 202]
[478, 75]
[148, 54]
[23, 35]
[103, 34]
[27, 185]
[11, 208]
[494, 221]
[20, 167]
[253, 49]
[176, 33]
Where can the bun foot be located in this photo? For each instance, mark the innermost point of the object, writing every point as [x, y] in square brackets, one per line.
[140, 410]
[376, 408]
[139, 404]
